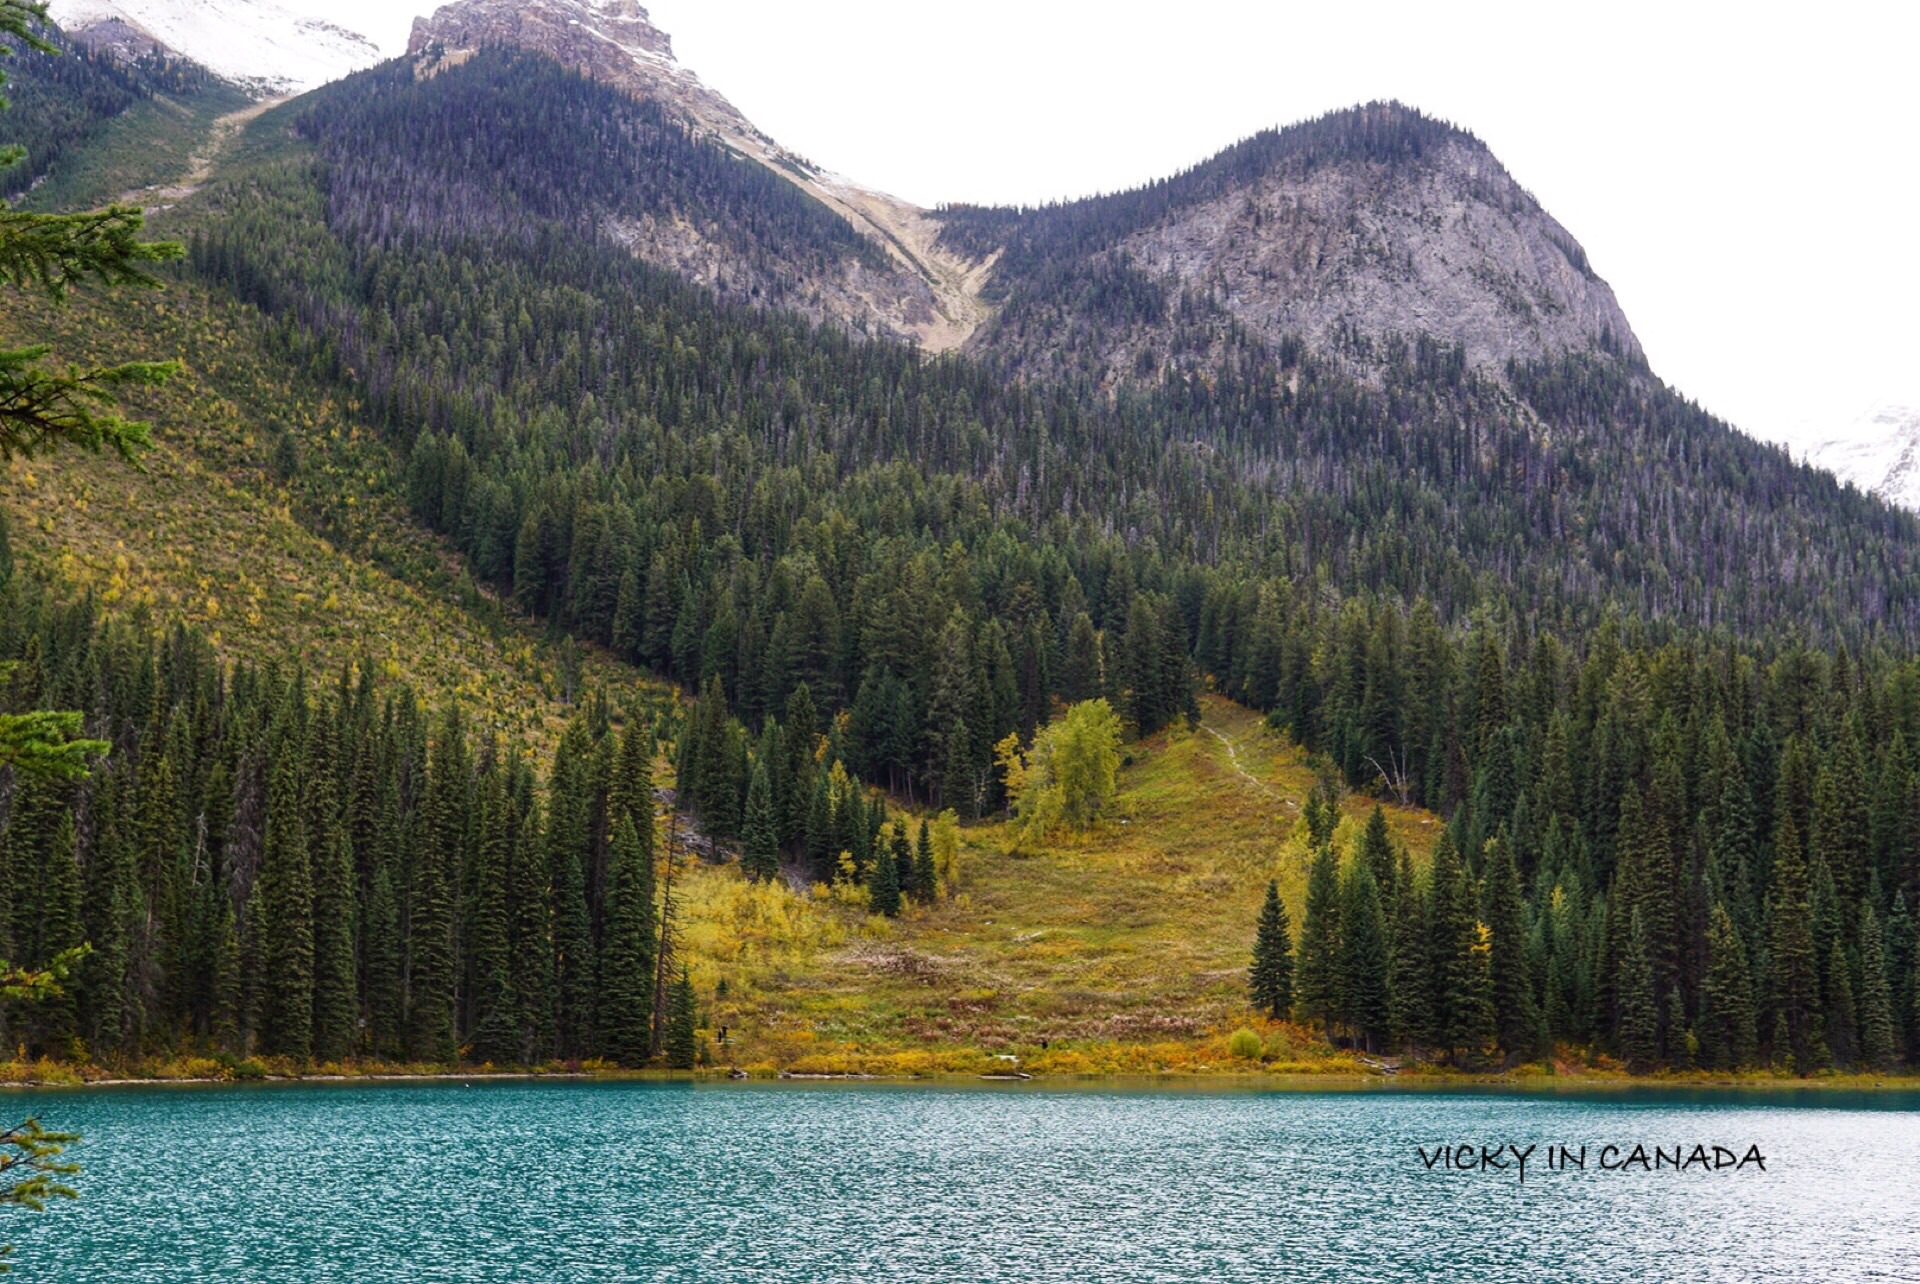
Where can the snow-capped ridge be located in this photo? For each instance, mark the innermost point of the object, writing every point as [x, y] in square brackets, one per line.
[261, 45]
[1878, 451]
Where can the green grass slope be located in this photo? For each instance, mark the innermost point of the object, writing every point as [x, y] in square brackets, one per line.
[1123, 951]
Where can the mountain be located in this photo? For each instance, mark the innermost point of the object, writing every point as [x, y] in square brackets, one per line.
[259, 45]
[1342, 232]
[1879, 451]
[913, 288]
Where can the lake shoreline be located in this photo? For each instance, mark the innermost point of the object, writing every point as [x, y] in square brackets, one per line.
[1341, 1081]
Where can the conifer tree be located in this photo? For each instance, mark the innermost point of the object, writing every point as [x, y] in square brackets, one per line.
[493, 1020]
[1409, 978]
[1376, 851]
[385, 1004]
[567, 843]
[54, 1015]
[1363, 957]
[1639, 1038]
[901, 853]
[883, 884]
[925, 879]
[682, 1046]
[760, 856]
[625, 998]
[1842, 1015]
[1795, 977]
[1516, 1015]
[432, 912]
[1270, 981]
[530, 940]
[1726, 1001]
[336, 1005]
[1317, 979]
[281, 914]
[1879, 1044]
[1461, 983]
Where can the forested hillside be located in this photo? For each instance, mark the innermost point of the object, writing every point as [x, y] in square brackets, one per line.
[65, 105]
[1657, 680]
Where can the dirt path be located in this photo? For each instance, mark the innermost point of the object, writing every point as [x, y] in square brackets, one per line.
[200, 164]
[1233, 757]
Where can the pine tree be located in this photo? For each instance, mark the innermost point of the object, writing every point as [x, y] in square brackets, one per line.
[530, 940]
[493, 1020]
[1409, 979]
[682, 1047]
[1516, 1015]
[1363, 957]
[567, 842]
[1639, 1038]
[625, 1007]
[1795, 977]
[1317, 988]
[54, 1016]
[901, 853]
[924, 877]
[1462, 977]
[760, 859]
[1842, 1016]
[1270, 981]
[281, 913]
[386, 1014]
[1879, 1043]
[335, 996]
[1376, 851]
[883, 884]
[432, 912]
[1726, 1007]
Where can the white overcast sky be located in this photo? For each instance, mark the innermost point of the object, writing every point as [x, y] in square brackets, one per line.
[1747, 177]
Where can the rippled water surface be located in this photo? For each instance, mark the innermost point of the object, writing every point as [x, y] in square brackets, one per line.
[809, 1182]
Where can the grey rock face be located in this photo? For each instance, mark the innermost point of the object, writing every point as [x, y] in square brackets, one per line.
[1448, 245]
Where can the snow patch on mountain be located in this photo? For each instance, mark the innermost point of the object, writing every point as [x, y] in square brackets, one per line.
[1879, 451]
[263, 46]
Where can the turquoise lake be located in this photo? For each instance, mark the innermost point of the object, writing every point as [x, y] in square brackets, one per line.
[549, 1181]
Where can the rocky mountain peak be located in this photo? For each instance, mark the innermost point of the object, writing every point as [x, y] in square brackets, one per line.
[263, 46]
[1878, 451]
[930, 295]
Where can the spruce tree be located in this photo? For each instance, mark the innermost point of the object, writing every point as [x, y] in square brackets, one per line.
[1639, 1036]
[1409, 978]
[1879, 1044]
[385, 958]
[493, 1019]
[682, 1048]
[925, 880]
[280, 917]
[530, 939]
[1516, 1015]
[1376, 851]
[625, 1000]
[1795, 976]
[55, 1016]
[1842, 1015]
[1726, 1002]
[1317, 979]
[567, 846]
[760, 857]
[1270, 982]
[432, 912]
[883, 884]
[1462, 979]
[1363, 957]
[336, 1006]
